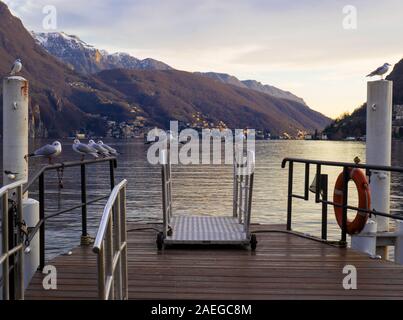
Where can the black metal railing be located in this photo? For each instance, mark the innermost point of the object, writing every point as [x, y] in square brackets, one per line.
[321, 191]
[43, 217]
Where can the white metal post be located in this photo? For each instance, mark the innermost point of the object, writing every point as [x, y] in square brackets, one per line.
[379, 145]
[15, 164]
[15, 129]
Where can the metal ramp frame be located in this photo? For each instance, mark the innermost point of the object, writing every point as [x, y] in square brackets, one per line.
[210, 230]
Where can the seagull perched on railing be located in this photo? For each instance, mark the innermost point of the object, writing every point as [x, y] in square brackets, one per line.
[100, 149]
[17, 67]
[111, 150]
[49, 151]
[381, 71]
[84, 149]
[11, 175]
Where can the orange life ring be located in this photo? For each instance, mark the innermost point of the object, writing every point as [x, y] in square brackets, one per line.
[364, 196]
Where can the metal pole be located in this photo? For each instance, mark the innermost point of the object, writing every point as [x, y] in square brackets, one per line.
[235, 195]
[42, 219]
[318, 183]
[241, 195]
[84, 233]
[289, 203]
[248, 220]
[109, 259]
[20, 261]
[306, 196]
[6, 269]
[117, 242]
[165, 218]
[124, 240]
[112, 165]
[12, 242]
[346, 179]
[324, 189]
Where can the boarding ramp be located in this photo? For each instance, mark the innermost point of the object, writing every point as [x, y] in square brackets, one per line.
[210, 230]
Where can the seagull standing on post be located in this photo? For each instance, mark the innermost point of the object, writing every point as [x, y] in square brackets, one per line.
[101, 150]
[17, 67]
[49, 151]
[381, 71]
[84, 149]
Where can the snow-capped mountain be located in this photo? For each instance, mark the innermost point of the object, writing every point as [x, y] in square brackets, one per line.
[253, 85]
[86, 59]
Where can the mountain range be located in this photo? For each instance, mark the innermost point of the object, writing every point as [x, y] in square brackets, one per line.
[87, 59]
[65, 99]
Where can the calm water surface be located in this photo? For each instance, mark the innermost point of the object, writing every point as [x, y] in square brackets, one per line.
[199, 189]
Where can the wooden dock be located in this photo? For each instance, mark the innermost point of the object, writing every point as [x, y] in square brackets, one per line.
[284, 266]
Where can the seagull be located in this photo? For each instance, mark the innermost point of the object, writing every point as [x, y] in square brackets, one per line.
[49, 151]
[380, 71]
[84, 149]
[100, 149]
[11, 175]
[111, 150]
[17, 66]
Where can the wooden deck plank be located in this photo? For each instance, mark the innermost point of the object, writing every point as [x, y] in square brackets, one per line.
[284, 266]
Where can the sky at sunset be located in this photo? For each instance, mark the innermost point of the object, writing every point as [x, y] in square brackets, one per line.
[300, 46]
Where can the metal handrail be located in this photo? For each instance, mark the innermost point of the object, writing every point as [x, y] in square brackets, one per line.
[321, 194]
[64, 165]
[243, 189]
[111, 247]
[342, 164]
[40, 177]
[166, 176]
[12, 186]
[15, 253]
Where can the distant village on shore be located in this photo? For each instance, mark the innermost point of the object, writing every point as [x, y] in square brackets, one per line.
[139, 129]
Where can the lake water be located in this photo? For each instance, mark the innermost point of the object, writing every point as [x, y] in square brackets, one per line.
[200, 189]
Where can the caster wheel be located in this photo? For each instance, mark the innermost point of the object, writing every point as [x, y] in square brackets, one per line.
[160, 241]
[253, 242]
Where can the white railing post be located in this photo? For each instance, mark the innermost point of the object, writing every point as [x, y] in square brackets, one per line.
[117, 244]
[124, 241]
[111, 247]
